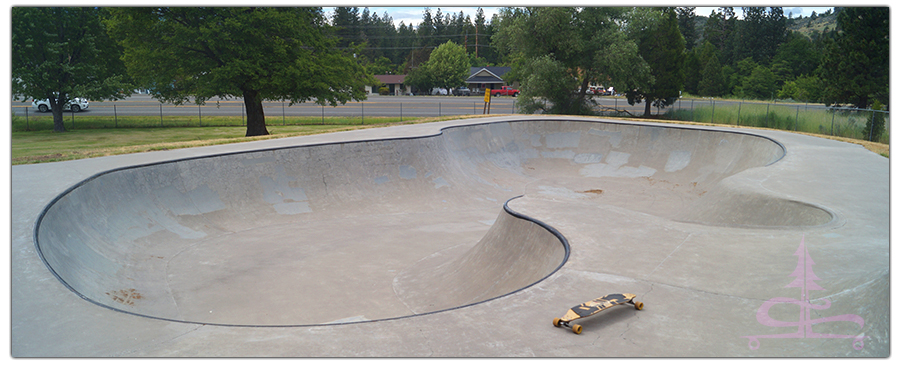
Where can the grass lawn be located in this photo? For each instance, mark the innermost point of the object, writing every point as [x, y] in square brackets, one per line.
[39, 146]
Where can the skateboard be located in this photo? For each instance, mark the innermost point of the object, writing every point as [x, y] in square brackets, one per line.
[593, 307]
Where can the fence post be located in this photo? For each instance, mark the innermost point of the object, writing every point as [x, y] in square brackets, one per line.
[401, 112]
[514, 107]
[739, 112]
[767, 116]
[323, 115]
[474, 110]
[363, 106]
[871, 126]
[439, 110]
[160, 114]
[242, 113]
[116, 115]
[73, 120]
[282, 112]
[832, 122]
[200, 114]
[692, 109]
[797, 120]
[712, 118]
[27, 127]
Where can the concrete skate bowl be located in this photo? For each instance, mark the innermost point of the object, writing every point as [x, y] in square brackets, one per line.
[384, 229]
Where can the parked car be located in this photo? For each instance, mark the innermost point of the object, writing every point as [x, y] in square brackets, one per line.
[438, 91]
[462, 91]
[75, 105]
[505, 91]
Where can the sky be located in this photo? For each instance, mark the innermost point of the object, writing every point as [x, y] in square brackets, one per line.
[412, 14]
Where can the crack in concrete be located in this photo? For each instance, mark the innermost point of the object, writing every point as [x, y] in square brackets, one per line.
[670, 255]
[130, 352]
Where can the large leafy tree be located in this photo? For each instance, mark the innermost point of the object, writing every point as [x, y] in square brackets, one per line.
[254, 53]
[59, 53]
[662, 46]
[559, 51]
[449, 65]
[761, 84]
[855, 66]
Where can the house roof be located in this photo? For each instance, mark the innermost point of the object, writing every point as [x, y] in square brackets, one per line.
[487, 74]
[390, 79]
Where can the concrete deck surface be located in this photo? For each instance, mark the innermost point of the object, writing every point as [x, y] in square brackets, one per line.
[399, 241]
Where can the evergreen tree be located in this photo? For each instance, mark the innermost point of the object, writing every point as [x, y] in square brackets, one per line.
[798, 55]
[712, 80]
[855, 66]
[662, 47]
[691, 71]
[687, 26]
[346, 22]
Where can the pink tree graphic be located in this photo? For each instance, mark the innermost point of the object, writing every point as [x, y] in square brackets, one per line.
[805, 279]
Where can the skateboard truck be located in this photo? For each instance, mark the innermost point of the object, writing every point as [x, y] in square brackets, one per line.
[593, 307]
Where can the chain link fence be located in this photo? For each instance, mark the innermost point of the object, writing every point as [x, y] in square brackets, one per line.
[149, 114]
[856, 123]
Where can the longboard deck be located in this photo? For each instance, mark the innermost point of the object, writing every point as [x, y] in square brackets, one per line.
[593, 307]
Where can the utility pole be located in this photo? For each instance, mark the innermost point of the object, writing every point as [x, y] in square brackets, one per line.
[476, 41]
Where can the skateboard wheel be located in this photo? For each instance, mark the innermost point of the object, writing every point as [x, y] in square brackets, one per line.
[638, 305]
[556, 322]
[577, 329]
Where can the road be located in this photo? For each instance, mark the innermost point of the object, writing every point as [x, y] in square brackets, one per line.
[376, 105]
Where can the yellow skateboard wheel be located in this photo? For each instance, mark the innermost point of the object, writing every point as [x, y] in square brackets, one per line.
[638, 305]
[556, 322]
[577, 329]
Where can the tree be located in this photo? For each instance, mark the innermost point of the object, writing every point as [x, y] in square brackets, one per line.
[712, 79]
[797, 56]
[559, 51]
[420, 79]
[736, 75]
[662, 47]
[254, 53]
[687, 26]
[449, 65]
[855, 66]
[804, 88]
[691, 71]
[761, 84]
[58, 53]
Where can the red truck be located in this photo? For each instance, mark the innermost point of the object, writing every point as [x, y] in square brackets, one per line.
[505, 91]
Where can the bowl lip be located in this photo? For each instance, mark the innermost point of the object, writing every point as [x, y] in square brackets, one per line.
[446, 126]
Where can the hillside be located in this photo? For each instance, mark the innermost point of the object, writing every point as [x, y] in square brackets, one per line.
[814, 25]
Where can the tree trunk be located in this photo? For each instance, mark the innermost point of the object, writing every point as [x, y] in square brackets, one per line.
[647, 108]
[56, 109]
[256, 119]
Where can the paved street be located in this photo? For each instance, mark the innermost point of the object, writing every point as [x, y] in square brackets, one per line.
[376, 105]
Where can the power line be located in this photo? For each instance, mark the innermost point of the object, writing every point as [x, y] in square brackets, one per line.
[413, 37]
[394, 48]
